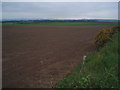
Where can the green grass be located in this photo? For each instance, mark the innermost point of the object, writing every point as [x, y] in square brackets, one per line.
[60, 23]
[99, 71]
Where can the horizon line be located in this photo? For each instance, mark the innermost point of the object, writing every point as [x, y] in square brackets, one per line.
[62, 19]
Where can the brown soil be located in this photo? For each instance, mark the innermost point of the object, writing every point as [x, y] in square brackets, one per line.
[40, 56]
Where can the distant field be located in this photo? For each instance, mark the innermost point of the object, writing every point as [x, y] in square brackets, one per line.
[60, 23]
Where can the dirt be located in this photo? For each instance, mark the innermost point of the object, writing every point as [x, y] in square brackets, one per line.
[40, 56]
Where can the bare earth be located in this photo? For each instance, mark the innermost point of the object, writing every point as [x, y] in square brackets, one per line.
[40, 56]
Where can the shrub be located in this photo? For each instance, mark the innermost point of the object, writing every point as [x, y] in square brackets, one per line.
[104, 36]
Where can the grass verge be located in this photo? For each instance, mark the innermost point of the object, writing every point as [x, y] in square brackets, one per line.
[99, 71]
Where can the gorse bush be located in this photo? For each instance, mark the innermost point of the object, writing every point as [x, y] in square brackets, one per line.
[104, 36]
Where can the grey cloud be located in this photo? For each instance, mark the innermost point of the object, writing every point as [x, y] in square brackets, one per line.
[40, 10]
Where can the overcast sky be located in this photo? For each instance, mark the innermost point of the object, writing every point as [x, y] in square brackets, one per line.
[59, 10]
[60, 0]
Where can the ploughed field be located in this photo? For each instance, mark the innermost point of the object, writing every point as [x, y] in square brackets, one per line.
[40, 56]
